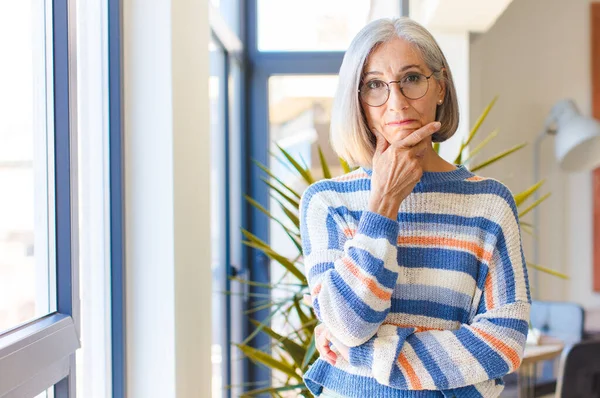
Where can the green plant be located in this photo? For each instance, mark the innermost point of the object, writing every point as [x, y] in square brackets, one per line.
[292, 353]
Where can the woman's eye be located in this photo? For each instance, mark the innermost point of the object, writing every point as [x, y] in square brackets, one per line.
[375, 84]
[413, 78]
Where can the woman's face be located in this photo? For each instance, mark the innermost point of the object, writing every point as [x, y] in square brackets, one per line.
[399, 116]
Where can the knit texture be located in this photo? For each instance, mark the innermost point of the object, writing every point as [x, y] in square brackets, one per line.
[432, 304]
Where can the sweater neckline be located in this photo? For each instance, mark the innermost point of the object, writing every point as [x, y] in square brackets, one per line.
[430, 177]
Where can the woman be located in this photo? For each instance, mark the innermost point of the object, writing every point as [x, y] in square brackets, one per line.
[415, 265]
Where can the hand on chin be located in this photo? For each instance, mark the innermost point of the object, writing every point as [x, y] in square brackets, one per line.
[400, 133]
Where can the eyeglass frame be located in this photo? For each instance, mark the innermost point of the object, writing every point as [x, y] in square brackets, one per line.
[401, 91]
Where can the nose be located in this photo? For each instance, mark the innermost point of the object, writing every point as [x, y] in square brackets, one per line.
[397, 100]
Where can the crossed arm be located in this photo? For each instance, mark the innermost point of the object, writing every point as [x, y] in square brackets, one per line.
[351, 290]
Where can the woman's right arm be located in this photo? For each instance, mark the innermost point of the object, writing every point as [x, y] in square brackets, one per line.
[351, 274]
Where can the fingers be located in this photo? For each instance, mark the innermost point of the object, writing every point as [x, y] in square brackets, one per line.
[322, 342]
[307, 299]
[419, 135]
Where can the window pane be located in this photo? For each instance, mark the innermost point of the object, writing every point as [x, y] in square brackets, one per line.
[49, 393]
[316, 25]
[237, 321]
[230, 11]
[299, 117]
[26, 268]
[218, 231]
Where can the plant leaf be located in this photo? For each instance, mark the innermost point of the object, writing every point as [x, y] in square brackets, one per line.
[272, 390]
[324, 166]
[548, 271]
[305, 173]
[310, 351]
[497, 157]
[270, 173]
[290, 200]
[303, 318]
[294, 219]
[534, 204]
[345, 166]
[481, 145]
[268, 360]
[475, 128]
[296, 351]
[280, 259]
[522, 196]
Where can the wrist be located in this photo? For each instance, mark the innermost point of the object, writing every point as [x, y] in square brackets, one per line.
[385, 206]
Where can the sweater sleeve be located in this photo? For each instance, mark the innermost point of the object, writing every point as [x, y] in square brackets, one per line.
[491, 346]
[351, 274]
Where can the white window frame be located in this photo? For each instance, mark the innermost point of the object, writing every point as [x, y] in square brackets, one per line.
[41, 354]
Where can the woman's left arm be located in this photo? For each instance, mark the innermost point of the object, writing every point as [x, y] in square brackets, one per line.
[489, 347]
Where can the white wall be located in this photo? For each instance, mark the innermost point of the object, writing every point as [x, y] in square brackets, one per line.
[455, 46]
[538, 52]
[167, 190]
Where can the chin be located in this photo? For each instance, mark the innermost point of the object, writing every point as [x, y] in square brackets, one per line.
[403, 132]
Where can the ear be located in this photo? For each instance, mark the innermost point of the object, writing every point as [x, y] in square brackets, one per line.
[442, 86]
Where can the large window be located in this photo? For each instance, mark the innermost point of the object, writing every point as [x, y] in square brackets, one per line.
[38, 213]
[27, 268]
[316, 25]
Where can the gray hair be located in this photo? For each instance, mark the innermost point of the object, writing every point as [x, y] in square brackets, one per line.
[349, 134]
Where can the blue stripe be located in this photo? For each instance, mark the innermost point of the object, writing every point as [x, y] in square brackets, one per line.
[490, 360]
[438, 258]
[335, 237]
[511, 323]
[397, 379]
[373, 266]
[506, 270]
[430, 364]
[317, 270]
[482, 223]
[440, 356]
[433, 293]
[430, 309]
[353, 303]
[466, 392]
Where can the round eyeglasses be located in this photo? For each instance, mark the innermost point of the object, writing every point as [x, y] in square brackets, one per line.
[413, 86]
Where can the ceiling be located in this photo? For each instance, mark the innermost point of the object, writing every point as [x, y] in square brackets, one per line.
[458, 15]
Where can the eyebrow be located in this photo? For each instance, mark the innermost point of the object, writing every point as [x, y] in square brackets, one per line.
[404, 68]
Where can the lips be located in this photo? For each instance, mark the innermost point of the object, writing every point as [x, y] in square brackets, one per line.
[401, 122]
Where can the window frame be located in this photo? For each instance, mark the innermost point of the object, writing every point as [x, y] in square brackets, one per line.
[117, 199]
[41, 353]
[232, 47]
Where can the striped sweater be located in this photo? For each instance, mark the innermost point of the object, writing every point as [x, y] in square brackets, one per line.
[432, 304]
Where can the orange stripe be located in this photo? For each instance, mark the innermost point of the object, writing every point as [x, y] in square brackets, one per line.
[510, 353]
[417, 328]
[349, 232]
[489, 292]
[415, 383]
[368, 282]
[473, 247]
[351, 177]
[316, 290]
[475, 178]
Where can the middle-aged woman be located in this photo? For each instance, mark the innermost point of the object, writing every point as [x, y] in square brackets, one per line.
[415, 265]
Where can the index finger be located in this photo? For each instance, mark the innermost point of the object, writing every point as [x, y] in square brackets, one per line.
[420, 134]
